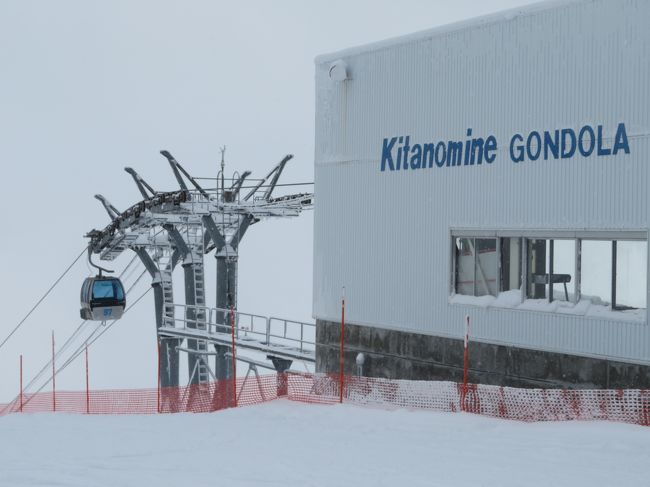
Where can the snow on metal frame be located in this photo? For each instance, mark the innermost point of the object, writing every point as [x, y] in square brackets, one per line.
[385, 236]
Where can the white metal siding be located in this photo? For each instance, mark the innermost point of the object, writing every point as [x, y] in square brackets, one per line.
[385, 235]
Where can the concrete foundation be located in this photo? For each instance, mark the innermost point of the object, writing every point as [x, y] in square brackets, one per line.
[398, 355]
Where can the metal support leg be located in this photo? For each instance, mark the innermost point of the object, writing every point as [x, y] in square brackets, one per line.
[281, 366]
[226, 297]
[226, 281]
[223, 373]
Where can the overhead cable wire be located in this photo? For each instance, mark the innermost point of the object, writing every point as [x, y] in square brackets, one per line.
[42, 298]
[87, 342]
[69, 341]
[72, 337]
[44, 368]
[91, 339]
[124, 271]
[128, 273]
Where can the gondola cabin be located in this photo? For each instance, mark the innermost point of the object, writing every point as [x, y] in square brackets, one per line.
[102, 299]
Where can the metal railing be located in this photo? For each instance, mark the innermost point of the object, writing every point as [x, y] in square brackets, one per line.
[271, 331]
[290, 325]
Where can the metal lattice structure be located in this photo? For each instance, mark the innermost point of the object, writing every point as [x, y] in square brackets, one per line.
[182, 226]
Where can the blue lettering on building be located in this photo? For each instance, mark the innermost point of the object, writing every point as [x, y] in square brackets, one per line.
[398, 153]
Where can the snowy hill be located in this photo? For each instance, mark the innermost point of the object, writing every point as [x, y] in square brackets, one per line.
[293, 444]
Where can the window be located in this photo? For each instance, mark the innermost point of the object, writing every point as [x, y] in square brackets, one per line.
[476, 266]
[118, 290]
[103, 290]
[614, 273]
[596, 271]
[107, 290]
[603, 271]
[551, 269]
[510, 264]
[629, 260]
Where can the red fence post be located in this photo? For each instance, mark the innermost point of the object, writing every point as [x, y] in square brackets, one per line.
[21, 383]
[53, 377]
[465, 363]
[234, 358]
[158, 380]
[342, 356]
[87, 385]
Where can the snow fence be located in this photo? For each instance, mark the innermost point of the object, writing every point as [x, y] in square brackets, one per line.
[625, 405]
[191, 399]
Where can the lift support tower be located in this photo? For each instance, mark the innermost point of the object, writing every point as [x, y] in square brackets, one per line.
[182, 226]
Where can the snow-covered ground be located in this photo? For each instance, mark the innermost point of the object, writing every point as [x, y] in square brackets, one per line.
[293, 444]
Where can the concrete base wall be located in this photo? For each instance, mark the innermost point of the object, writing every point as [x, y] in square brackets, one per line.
[398, 355]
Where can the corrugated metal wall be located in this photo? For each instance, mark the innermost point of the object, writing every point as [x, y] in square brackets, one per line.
[385, 236]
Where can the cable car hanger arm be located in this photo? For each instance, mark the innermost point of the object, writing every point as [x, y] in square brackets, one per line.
[90, 261]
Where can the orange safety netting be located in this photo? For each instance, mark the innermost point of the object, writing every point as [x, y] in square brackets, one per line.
[626, 405]
[622, 405]
[192, 399]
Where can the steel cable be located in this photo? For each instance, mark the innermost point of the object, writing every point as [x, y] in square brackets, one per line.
[90, 340]
[42, 298]
[75, 333]
[70, 340]
[81, 349]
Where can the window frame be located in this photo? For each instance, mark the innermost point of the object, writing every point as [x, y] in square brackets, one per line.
[550, 295]
[578, 236]
[477, 265]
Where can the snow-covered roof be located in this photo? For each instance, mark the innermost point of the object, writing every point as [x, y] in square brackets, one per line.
[495, 18]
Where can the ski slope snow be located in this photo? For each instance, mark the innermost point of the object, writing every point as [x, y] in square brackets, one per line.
[292, 444]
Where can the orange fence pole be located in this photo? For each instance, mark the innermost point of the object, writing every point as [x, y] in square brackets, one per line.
[21, 383]
[465, 362]
[342, 356]
[53, 377]
[158, 381]
[234, 358]
[87, 385]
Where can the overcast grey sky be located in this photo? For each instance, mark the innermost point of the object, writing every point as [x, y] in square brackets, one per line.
[89, 87]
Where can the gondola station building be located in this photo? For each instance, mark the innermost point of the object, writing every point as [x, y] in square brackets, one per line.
[496, 169]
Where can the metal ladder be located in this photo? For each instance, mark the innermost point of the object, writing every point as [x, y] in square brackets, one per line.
[201, 322]
[195, 242]
[165, 269]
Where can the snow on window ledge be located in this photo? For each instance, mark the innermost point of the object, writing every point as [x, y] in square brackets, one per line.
[590, 307]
